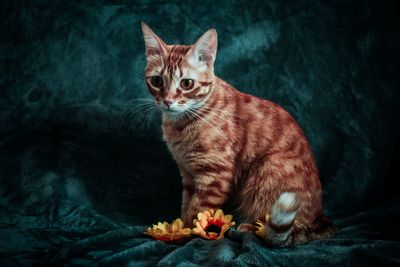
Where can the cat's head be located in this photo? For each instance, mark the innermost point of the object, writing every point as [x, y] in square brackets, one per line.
[179, 77]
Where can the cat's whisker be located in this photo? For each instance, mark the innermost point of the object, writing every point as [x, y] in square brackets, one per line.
[199, 113]
[141, 119]
[195, 115]
[131, 112]
[140, 103]
[223, 116]
[190, 116]
[134, 112]
[137, 104]
[141, 100]
[208, 122]
[181, 115]
[218, 115]
[139, 112]
[212, 113]
[147, 115]
[223, 111]
[146, 110]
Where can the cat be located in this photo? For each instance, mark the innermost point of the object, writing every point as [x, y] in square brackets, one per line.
[231, 145]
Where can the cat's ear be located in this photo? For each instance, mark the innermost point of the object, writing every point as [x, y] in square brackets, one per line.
[204, 51]
[155, 47]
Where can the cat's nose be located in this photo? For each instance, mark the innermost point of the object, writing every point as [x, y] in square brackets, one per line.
[167, 102]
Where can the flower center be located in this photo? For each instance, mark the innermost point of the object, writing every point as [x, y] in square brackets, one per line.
[213, 228]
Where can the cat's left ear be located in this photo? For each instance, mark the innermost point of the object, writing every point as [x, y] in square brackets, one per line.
[204, 51]
[155, 47]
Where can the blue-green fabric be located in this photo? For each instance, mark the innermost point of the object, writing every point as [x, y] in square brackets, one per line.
[83, 170]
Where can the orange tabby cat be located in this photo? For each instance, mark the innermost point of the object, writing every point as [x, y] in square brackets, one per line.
[227, 143]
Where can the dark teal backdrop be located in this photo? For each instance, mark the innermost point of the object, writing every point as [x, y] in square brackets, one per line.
[82, 171]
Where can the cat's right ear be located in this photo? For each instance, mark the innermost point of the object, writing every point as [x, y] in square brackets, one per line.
[155, 47]
[204, 51]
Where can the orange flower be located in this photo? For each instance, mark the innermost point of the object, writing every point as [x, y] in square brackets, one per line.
[212, 225]
[168, 232]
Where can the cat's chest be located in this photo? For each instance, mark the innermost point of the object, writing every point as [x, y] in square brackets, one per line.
[180, 139]
[186, 144]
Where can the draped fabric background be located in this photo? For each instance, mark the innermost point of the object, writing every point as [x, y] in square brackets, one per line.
[83, 170]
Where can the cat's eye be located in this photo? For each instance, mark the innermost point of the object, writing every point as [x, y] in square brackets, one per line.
[187, 84]
[156, 81]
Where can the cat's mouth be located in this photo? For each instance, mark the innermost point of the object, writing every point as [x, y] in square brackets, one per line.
[172, 111]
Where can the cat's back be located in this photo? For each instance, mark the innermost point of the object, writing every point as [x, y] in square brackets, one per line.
[264, 127]
[253, 107]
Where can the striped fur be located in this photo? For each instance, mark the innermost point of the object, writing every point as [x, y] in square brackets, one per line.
[232, 147]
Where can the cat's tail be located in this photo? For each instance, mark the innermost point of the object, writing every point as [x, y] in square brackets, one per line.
[279, 225]
[280, 229]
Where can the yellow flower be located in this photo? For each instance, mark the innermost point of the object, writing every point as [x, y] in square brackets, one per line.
[212, 225]
[168, 232]
[261, 227]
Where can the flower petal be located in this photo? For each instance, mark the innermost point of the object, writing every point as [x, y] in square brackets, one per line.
[204, 219]
[179, 222]
[209, 213]
[227, 218]
[219, 214]
[260, 229]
